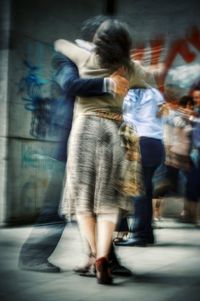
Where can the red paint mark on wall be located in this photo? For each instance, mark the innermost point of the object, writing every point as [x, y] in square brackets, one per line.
[178, 47]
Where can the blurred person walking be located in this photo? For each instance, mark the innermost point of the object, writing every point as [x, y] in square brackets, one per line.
[141, 108]
[193, 175]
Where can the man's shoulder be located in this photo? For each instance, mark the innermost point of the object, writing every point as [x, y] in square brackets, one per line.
[59, 61]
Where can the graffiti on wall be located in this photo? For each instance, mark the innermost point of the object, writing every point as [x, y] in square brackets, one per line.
[30, 86]
[36, 157]
[40, 97]
[181, 59]
[42, 108]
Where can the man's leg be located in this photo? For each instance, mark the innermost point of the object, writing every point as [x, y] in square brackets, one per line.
[141, 229]
[48, 229]
[152, 152]
[146, 232]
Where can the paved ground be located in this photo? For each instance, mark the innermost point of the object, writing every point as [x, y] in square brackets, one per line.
[168, 271]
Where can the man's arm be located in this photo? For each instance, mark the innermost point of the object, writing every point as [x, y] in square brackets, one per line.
[67, 77]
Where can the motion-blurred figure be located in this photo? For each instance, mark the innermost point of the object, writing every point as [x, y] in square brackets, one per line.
[141, 108]
[193, 176]
[49, 227]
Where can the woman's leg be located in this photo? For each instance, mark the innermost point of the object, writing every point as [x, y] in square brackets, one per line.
[87, 225]
[106, 224]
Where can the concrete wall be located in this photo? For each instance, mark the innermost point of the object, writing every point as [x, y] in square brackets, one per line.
[3, 130]
[34, 27]
[166, 33]
[4, 67]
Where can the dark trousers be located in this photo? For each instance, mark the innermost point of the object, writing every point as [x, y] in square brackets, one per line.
[152, 152]
[193, 181]
[49, 227]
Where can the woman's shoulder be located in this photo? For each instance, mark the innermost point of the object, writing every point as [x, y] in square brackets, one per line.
[136, 73]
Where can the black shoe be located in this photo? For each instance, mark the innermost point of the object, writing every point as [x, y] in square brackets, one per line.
[44, 267]
[131, 242]
[119, 270]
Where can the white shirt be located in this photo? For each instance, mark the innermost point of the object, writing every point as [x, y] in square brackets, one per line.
[140, 109]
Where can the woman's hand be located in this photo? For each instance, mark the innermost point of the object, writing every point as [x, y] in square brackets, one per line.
[121, 83]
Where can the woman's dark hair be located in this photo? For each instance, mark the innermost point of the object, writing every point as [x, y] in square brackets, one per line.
[90, 26]
[186, 100]
[196, 85]
[113, 44]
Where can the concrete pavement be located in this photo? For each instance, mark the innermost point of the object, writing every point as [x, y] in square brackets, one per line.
[167, 271]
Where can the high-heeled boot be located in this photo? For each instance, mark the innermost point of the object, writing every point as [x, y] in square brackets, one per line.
[103, 271]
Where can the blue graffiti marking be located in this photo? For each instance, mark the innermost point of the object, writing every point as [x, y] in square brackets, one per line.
[44, 109]
[31, 83]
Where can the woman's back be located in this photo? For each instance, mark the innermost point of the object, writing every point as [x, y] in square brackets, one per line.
[112, 45]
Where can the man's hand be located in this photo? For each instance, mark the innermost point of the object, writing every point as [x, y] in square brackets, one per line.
[121, 84]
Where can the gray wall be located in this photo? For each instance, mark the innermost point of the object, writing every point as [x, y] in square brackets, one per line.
[35, 24]
[4, 67]
[34, 27]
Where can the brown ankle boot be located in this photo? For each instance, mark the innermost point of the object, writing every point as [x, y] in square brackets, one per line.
[103, 271]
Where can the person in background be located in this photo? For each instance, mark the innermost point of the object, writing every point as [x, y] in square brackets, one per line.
[142, 108]
[179, 156]
[193, 176]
